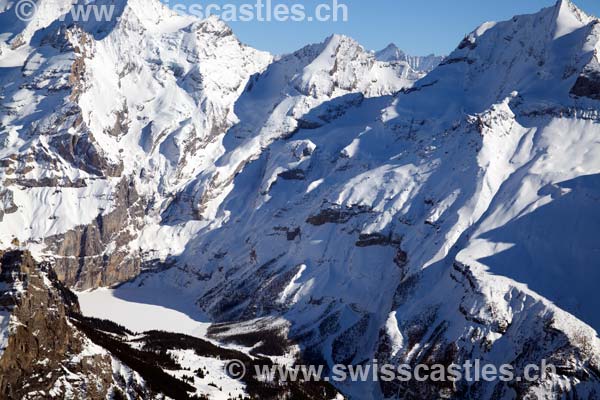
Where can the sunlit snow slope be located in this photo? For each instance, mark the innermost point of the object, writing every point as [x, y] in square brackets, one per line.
[345, 202]
[453, 220]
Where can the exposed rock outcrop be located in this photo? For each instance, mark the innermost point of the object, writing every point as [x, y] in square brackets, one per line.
[53, 352]
[44, 352]
[7, 204]
[99, 254]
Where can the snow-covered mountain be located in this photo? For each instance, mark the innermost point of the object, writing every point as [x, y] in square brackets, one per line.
[373, 232]
[110, 120]
[419, 63]
[54, 352]
[334, 200]
[113, 119]
[279, 102]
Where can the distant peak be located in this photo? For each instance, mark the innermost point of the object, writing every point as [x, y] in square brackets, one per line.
[391, 46]
[337, 43]
[43, 14]
[337, 38]
[390, 53]
[215, 26]
[215, 21]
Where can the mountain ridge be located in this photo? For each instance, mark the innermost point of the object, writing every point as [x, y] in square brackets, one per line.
[362, 208]
[391, 53]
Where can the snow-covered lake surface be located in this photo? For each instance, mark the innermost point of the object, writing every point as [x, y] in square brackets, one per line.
[138, 310]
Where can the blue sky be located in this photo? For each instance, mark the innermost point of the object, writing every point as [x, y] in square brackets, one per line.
[418, 27]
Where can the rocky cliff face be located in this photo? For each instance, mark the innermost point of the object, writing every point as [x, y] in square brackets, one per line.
[99, 254]
[44, 355]
[50, 351]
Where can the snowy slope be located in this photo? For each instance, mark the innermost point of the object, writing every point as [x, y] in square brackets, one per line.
[350, 207]
[79, 130]
[116, 118]
[277, 102]
[414, 226]
[53, 352]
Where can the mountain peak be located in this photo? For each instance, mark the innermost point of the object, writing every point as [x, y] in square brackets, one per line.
[393, 54]
[337, 46]
[337, 39]
[565, 5]
[390, 53]
[568, 18]
[215, 26]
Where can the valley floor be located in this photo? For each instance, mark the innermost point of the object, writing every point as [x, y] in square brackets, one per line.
[136, 310]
